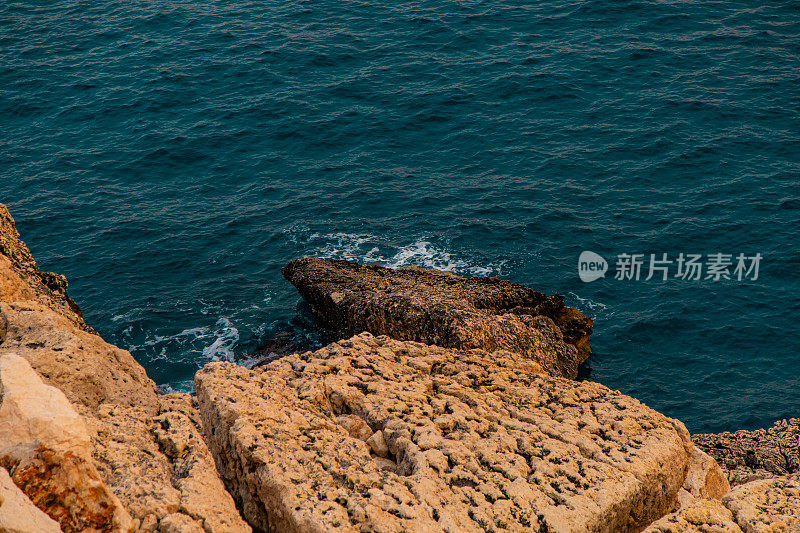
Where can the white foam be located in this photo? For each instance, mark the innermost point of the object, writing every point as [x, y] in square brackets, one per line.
[214, 343]
[226, 338]
[367, 248]
[586, 303]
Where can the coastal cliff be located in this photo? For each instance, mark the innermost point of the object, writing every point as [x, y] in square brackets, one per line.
[448, 404]
[84, 435]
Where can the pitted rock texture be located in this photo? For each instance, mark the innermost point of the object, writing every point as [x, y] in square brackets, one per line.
[161, 468]
[762, 506]
[473, 441]
[443, 309]
[759, 454]
[767, 505]
[699, 516]
[21, 280]
[117, 437]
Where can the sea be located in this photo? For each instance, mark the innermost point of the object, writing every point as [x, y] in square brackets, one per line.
[169, 157]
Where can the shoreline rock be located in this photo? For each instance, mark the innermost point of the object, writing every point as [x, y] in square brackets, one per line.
[372, 433]
[94, 446]
[751, 455]
[21, 279]
[442, 309]
[767, 505]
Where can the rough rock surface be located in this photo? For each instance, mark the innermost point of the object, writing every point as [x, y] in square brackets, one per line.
[474, 442]
[42, 324]
[18, 514]
[440, 308]
[89, 370]
[45, 446]
[767, 505]
[699, 516]
[762, 506]
[118, 438]
[759, 454]
[161, 468]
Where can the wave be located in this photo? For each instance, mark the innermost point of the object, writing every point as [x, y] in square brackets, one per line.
[368, 248]
[215, 343]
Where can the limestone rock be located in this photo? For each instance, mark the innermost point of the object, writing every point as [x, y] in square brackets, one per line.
[476, 441]
[33, 414]
[767, 505]
[759, 454]
[87, 369]
[21, 280]
[763, 506]
[68, 488]
[443, 309]
[704, 478]
[45, 446]
[147, 448]
[700, 516]
[160, 467]
[18, 514]
[42, 324]
[179, 523]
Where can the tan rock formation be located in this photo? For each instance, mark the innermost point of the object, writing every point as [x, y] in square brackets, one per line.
[768, 505]
[760, 454]
[21, 280]
[123, 440]
[45, 446]
[160, 467]
[763, 506]
[18, 514]
[89, 370]
[34, 415]
[699, 516]
[704, 478]
[477, 442]
[440, 308]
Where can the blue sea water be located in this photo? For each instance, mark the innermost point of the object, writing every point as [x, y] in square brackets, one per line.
[170, 156]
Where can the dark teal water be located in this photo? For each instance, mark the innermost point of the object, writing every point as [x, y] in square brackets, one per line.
[170, 157]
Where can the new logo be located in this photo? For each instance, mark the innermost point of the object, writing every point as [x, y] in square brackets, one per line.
[591, 266]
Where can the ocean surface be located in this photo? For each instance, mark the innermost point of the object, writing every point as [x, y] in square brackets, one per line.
[170, 157]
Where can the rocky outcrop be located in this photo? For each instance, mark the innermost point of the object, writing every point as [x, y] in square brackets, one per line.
[87, 369]
[367, 434]
[45, 446]
[18, 514]
[771, 505]
[375, 434]
[766, 505]
[759, 454]
[118, 449]
[440, 308]
[41, 323]
[698, 516]
[161, 468]
[21, 280]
